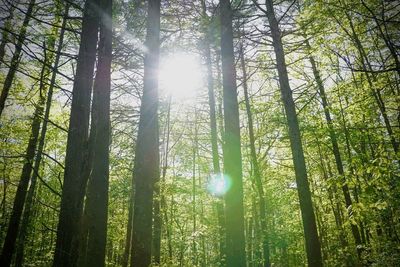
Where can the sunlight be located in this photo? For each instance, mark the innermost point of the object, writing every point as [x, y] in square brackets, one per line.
[219, 184]
[181, 76]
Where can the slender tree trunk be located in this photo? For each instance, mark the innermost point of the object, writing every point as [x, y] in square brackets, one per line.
[214, 137]
[15, 58]
[73, 191]
[128, 238]
[159, 200]
[29, 198]
[194, 192]
[19, 200]
[146, 168]
[313, 246]
[256, 168]
[97, 193]
[335, 148]
[235, 240]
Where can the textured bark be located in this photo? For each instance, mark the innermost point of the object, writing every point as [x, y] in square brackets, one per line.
[256, 168]
[146, 166]
[67, 243]
[19, 200]
[29, 198]
[235, 240]
[16, 57]
[313, 246]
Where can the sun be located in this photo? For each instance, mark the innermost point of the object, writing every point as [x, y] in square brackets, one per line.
[181, 76]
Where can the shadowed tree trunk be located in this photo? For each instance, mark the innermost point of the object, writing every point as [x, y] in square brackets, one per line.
[146, 166]
[235, 240]
[97, 193]
[313, 246]
[15, 58]
[73, 191]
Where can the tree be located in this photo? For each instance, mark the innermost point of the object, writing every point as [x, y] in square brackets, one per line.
[74, 183]
[313, 247]
[97, 192]
[235, 242]
[146, 166]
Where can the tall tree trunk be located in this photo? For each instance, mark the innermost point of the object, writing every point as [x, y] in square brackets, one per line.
[19, 200]
[146, 166]
[29, 198]
[97, 193]
[15, 58]
[214, 136]
[256, 167]
[313, 246]
[235, 240]
[73, 191]
[335, 147]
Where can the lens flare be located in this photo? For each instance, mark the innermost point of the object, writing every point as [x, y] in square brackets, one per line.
[219, 184]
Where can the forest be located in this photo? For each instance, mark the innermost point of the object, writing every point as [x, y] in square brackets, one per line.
[237, 133]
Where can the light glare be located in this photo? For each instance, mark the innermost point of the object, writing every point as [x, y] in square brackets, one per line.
[219, 184]
[180, 76]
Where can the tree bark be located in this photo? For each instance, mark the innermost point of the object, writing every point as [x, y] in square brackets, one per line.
[74, 181]
[146, 166]
[235, 240]
[313, 246]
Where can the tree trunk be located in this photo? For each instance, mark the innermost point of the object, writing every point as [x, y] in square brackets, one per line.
[159, 200]
[256, 169]
[97, 193]
[235, 240]
[313, 247]
[128, 237]
[73, 191]
[15, 58]
[214, 136]
[29, 198]
[19, 200]
[146, 166]
[335, 147]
